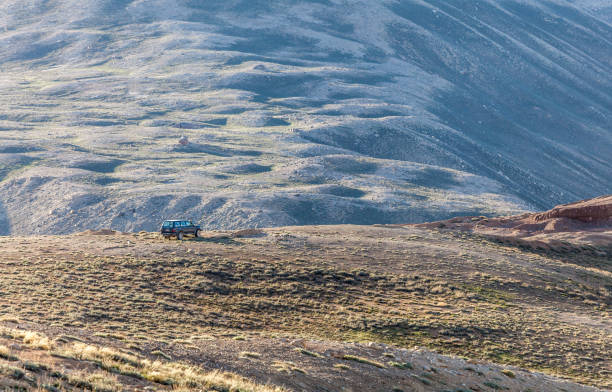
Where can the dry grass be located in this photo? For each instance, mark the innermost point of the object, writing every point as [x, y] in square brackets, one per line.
[342, 366]
[96, 381]
[29, 338]
[287, 367]
[308, 352]
[450, 292]
[5, 353]
[248, 354]
[401, 365]
[363, 360]
[176, 374]
[102, 367]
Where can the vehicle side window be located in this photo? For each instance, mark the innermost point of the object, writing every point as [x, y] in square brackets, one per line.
[176, 224]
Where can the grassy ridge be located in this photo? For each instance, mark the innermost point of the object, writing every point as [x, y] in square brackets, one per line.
[172, 293]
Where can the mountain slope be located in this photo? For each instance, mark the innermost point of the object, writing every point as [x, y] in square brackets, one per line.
[299, 113]
[601, 9]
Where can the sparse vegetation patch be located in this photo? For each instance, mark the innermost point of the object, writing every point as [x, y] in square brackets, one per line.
[169, 302]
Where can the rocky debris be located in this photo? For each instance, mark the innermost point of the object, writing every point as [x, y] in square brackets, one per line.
[586, 222]
[249, 233]
[598, 211]
[184, 141]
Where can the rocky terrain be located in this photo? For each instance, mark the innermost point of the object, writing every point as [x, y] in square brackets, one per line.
[293, 113]
[584, 224]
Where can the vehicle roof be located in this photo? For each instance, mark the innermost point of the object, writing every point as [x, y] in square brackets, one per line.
[176, 220]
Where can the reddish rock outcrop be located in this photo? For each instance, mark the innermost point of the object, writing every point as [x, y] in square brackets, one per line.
[598, 210]
[586, 222]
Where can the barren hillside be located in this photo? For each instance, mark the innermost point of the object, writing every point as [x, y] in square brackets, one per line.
[319, 112]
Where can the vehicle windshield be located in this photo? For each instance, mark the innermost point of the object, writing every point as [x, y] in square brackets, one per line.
[167, 224]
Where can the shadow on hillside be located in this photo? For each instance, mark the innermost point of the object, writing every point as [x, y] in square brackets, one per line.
[5, 223]
[500, 130]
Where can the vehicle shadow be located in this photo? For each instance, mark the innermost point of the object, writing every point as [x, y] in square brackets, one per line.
[222, 239]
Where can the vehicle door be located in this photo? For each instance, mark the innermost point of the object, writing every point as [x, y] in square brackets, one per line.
[192, 229]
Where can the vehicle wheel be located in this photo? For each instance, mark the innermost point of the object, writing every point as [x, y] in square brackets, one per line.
[198, 233]
[179, 236]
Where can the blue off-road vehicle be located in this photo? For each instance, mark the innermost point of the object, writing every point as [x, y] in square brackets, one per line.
[179, 229]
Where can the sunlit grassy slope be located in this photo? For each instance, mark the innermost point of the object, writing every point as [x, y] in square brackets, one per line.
[215, 301]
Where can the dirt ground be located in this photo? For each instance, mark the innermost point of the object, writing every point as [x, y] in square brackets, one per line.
[338, 308]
